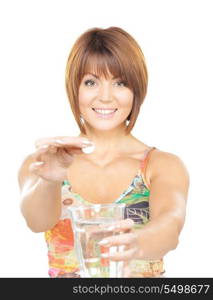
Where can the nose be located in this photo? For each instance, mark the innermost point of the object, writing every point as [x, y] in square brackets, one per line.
[105, 92]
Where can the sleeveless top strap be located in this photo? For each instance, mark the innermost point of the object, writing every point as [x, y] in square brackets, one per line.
[145, 162]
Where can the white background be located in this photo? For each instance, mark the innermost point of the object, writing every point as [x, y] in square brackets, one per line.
[176, 38]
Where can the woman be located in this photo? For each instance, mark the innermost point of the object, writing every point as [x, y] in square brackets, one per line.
[106, 83]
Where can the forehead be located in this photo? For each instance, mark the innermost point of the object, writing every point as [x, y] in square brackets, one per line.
[99, 66]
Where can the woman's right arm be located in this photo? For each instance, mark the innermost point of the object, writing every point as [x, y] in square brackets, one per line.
[40, 185]
[40, 199]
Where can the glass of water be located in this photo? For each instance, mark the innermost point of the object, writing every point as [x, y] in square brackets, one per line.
[91, 224]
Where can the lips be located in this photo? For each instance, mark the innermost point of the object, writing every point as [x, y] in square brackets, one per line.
[97, 108]
[104, 115]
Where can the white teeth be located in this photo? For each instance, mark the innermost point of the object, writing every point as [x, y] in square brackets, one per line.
[105, 111]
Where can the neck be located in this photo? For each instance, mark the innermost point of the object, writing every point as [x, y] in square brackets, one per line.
[108, 143]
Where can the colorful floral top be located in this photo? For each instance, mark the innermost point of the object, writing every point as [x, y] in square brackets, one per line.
[62, 258]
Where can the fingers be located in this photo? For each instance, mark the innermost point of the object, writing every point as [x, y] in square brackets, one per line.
[36, 166]
[126, 239]
[63, 141]
[43, 149]
[122, 239]
[40, 151]
[124, 255]
[121, 253]
[52, 146]
[121, 226]
[126, 224]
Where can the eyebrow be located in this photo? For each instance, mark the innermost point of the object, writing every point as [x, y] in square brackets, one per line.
[96, 76]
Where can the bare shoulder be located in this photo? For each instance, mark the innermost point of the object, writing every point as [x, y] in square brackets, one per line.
[166, 164]
[24, 175]
[169, 185]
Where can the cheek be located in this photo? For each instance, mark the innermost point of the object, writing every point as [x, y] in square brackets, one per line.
[126, 100]
[84, 97]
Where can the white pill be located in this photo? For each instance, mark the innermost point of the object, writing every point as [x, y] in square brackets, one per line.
[88, 149]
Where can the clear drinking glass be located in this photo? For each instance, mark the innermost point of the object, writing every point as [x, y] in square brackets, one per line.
[91, 224]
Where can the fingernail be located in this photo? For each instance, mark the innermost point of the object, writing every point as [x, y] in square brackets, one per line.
[85, 145]
[87, 142]
[44, 146]
[60, 142]
[103, 242]
[113, 227]
[110, 228]
[38, 163]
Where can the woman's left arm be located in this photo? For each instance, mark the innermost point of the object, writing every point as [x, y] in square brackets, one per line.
[168, 196]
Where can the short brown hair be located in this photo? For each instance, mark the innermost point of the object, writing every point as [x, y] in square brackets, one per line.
[111, 48]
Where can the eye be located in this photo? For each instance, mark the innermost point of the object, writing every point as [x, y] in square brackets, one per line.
[122, 82]
[89, 81]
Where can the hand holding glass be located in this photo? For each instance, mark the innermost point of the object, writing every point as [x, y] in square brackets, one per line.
[91, 224]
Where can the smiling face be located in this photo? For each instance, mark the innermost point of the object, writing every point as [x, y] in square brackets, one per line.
[104, 103]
